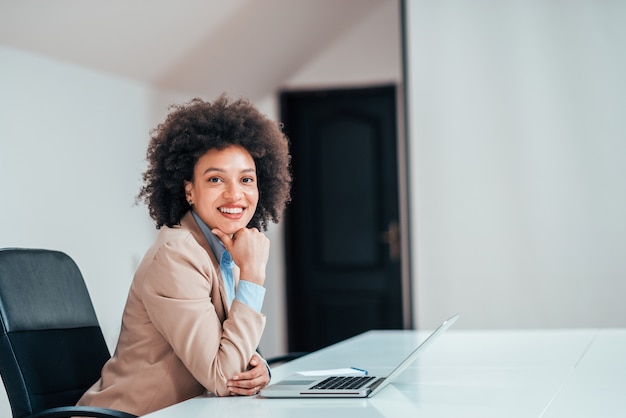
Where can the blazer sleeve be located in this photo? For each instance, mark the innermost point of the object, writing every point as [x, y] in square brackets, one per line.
[177, 297]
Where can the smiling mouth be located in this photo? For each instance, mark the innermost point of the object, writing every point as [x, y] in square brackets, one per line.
[232, 211]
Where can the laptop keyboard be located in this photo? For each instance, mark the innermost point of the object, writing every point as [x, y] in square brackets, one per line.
[344, 382]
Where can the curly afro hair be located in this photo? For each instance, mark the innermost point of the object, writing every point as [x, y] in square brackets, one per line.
[192, 129]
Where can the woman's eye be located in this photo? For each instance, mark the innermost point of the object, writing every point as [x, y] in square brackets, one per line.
[248, 180]
[214, 180]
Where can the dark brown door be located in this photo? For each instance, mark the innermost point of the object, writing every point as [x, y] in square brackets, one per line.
[342, 237]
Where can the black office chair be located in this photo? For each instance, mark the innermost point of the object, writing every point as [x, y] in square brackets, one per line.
[51, 346]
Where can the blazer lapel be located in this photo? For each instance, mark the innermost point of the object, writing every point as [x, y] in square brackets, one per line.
[218, 293]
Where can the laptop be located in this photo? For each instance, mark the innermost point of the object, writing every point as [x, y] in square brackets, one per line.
[347, 386]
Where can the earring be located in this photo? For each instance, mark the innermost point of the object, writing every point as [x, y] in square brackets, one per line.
[190, 203]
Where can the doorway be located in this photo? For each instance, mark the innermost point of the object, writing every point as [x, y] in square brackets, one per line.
[342, 227]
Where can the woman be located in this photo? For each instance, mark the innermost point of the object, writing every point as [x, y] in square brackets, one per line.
[217, 174]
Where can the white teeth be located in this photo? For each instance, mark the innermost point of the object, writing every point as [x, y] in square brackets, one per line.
[231, 210]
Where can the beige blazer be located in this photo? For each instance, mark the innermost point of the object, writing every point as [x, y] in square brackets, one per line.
[179, 337]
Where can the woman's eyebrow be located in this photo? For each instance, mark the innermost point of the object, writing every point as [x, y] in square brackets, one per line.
[221, 170]
[214, 169]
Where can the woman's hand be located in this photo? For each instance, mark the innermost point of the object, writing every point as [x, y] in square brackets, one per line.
[252, 381]
[250, 250]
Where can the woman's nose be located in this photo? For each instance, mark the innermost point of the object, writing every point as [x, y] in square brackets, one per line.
[233, 191]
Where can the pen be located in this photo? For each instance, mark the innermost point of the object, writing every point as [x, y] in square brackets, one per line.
[360, 370]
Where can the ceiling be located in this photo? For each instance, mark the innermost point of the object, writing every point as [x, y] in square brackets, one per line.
[199, 46]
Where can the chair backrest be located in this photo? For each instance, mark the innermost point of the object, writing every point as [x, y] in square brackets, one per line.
[51, 346]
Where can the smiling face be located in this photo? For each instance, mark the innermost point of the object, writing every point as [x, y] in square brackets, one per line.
[224, 189]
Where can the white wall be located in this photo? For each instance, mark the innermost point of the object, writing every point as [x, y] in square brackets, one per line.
[369, 53]
[517, 114]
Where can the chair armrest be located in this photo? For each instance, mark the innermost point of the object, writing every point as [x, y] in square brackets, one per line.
[81, 411]
[285, 357]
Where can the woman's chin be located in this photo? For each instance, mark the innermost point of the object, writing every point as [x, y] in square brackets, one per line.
[230, 229]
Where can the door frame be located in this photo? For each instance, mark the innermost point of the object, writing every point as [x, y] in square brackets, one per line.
[403, 165]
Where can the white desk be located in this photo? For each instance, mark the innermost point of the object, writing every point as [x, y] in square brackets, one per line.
[538, 373]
